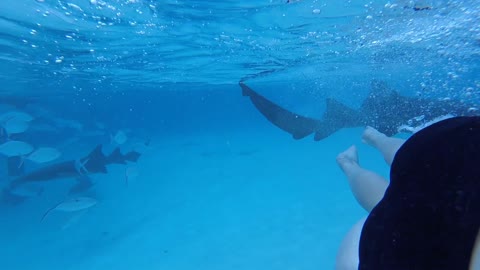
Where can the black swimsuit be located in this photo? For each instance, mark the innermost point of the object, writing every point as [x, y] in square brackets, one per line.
[430, 215]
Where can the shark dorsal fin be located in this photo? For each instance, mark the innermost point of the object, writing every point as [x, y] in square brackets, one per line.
[96, 153]
[116, 157]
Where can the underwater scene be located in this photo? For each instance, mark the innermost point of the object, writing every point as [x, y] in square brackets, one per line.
[188, 134]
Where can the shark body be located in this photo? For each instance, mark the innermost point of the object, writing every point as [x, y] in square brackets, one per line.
[383, 109]
[81, 169]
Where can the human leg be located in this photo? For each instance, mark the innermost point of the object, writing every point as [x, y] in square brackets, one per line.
[347, 255]
[388, 146]
[367, 186]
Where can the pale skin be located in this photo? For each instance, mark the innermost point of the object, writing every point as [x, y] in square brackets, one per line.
[367, 186]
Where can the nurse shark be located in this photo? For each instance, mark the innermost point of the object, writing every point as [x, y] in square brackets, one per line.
[80, 169]
[384, 109]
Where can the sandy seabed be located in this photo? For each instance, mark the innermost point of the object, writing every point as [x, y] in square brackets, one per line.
[220, 201]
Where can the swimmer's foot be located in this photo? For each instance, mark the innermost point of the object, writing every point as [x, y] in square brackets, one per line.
[371, 136]
[348, 158]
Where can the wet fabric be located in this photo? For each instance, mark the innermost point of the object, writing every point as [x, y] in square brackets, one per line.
[430, 214]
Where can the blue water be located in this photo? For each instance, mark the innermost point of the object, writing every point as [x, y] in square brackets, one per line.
[217, 187]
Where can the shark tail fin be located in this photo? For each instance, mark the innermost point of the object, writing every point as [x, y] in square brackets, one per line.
[298, 126]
